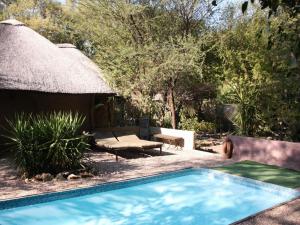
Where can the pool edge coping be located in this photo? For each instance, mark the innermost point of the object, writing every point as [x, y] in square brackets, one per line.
[247, 179]
[152, 176]
[264, 211]
[264, 183]
[98, 184]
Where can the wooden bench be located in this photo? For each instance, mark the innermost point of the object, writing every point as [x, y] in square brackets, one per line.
[171, 140]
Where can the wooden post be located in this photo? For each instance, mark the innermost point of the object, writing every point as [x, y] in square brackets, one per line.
[92, 112]
[172, 106]
[109, 114]
[116, 152]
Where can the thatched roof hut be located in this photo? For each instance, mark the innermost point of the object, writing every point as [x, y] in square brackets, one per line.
[86, 62]
[37, 75]
[28, 61]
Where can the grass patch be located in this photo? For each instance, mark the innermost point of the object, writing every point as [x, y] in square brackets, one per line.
[266, 173]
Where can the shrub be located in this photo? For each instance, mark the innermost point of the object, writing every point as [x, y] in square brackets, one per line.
[207, 127]
[47, 142]
[192, 123]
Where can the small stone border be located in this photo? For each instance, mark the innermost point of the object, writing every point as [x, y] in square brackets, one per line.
[75, 192]
[63, 176]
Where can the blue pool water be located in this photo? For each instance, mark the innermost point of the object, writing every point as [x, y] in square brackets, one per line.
[194, 196]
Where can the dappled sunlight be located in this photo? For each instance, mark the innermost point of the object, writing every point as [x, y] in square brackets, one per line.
[196, 198]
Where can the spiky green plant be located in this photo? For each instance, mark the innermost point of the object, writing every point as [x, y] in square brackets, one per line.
[47, 142]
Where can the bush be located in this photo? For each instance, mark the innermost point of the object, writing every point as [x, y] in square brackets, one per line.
[193, 124]
[207, 127]
[47, 142]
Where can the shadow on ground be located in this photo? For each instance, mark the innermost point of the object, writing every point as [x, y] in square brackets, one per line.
[134, 154]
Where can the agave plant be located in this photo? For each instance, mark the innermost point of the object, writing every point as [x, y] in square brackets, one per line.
[47, 142]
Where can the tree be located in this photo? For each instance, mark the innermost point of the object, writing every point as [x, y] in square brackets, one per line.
[148, 48]
[262, 78]
[49, 18]
[293, 5]
[172, 48]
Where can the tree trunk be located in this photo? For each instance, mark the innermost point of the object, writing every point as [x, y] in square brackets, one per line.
[172, 106]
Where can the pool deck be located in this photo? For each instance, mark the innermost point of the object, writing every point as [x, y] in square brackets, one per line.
[286, 214]
[109, 170]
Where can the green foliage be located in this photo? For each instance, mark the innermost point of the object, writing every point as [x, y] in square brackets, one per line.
[199, 127]
[188, 121]
[291, 5]
[175, 48]
[148, 47]
[262, 79]
[47, 142]
[49, 18]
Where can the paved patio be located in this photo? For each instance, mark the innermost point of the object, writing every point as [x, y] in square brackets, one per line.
[286, 214]
[149, 163]
[107, 169]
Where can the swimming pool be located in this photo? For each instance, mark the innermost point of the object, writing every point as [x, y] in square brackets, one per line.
[192, 196]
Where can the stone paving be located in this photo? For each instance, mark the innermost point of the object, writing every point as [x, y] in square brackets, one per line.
[286, 214]
[107, 170]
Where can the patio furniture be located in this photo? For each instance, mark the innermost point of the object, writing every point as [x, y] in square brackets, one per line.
[171, 140]
[143, 144]
[107, 140]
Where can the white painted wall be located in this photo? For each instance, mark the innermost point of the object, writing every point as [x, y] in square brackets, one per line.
[188, 136]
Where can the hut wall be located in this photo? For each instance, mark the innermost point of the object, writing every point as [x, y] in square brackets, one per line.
[103, 114]
[12, 102]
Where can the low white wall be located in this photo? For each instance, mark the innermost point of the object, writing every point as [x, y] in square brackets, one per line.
[188, 136]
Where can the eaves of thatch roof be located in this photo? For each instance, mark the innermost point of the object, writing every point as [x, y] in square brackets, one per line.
[30, 62]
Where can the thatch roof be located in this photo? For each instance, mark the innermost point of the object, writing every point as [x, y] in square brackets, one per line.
[78, 56]
[28, 61]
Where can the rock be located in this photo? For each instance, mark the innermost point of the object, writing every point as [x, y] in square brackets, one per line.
[60, 176]
[13, 178]
[86, 175]
[73, 177]
[38, 177]
[66, 174]
[46, 177]
[33, 180]
[27, 181]
[43, 177]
